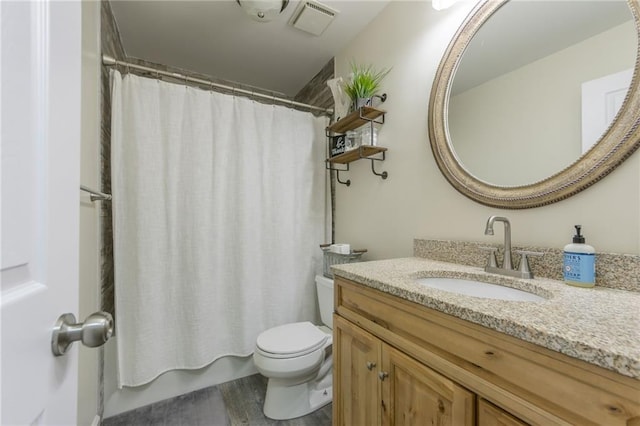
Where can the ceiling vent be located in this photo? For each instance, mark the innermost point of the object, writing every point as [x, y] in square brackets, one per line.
[312, 17]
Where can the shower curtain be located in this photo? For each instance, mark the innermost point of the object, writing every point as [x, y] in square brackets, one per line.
[218, 210]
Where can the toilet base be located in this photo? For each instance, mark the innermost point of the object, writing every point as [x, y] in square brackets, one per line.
[283, 402]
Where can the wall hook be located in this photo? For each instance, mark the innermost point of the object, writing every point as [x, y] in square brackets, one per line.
[382, 97]
[383, 175]
[348, 181]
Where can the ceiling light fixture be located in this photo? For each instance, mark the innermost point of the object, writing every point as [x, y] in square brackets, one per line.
[263, 10]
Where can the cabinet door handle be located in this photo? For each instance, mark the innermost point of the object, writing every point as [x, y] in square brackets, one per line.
[383, 375]
[370, 365]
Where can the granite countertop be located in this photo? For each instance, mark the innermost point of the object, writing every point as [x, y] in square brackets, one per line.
[598, 325]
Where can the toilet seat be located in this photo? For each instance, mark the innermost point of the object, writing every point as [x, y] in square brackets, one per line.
[291, 340]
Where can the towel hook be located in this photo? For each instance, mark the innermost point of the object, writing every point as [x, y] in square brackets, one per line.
[347, 182]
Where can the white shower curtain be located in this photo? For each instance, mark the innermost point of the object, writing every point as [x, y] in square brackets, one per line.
[218, 210]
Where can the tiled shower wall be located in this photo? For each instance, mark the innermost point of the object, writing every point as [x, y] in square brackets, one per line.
[112, 46]
[316, 93]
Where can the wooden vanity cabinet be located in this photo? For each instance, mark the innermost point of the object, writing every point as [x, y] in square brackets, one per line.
[400, 363]
[356, 356]
[380, 385]
[490, 415]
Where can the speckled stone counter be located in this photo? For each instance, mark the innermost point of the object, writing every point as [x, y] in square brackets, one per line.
[613, 270]
[598, 325]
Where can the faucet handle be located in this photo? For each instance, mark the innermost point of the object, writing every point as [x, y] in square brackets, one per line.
[491, 262]
[525, 269]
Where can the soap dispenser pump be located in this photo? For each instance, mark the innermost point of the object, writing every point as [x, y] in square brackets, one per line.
[579, 267]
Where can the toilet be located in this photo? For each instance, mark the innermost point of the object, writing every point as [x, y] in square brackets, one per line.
[296, 358]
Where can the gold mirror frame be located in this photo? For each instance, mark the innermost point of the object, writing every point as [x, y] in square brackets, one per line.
[616, 145]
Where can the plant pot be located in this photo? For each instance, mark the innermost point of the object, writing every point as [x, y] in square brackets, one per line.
[360, 102]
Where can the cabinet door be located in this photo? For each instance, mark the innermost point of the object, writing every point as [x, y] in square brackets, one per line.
[356, 387]
[490, 415]
[413, 394]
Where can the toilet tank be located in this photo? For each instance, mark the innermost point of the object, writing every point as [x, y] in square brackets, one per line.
[324, 287]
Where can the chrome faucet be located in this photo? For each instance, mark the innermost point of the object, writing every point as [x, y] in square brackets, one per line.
[507, 264]
[488, 230]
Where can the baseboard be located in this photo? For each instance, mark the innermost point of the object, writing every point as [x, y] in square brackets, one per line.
[96, 421]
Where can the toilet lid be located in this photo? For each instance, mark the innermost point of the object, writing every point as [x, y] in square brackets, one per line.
[289, 339]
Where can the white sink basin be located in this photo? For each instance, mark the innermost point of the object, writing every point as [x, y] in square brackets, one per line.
[479, 289]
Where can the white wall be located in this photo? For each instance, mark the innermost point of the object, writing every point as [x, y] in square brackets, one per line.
[526, 113]
[88, 383]
[416, 201]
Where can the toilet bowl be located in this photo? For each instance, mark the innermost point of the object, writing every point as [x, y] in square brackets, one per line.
[296, 358]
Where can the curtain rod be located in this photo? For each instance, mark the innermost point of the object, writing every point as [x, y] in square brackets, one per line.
[110, 61]
[95, 195]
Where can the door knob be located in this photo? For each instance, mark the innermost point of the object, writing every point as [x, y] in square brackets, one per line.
[93, 332]
[383, 375]
[370, 365]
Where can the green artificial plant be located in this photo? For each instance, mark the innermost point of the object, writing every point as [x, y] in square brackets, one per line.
[364, 82]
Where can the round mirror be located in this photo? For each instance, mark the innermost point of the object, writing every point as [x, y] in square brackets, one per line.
[525, 115]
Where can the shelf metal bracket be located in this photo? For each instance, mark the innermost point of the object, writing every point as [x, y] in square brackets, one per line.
[383, 175]
[327, 165]
[347, 182]
[372, 121]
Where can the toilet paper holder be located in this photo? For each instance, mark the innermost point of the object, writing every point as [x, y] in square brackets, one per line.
[340, 248]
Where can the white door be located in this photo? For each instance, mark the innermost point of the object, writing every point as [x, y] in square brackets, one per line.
[602, 98]
[40, 48]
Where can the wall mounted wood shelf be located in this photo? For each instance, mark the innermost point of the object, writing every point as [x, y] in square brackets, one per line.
[363, 151]
[364, 116]
[357, 119]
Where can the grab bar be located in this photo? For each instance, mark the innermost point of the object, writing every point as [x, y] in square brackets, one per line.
[95, 195]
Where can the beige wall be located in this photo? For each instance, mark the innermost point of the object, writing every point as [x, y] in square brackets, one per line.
[416, 201]
[88, 377]
[506, 114]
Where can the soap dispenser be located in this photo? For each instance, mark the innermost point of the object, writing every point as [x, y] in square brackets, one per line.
[579, 266]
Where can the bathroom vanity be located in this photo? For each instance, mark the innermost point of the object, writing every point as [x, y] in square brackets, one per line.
[408, 354]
